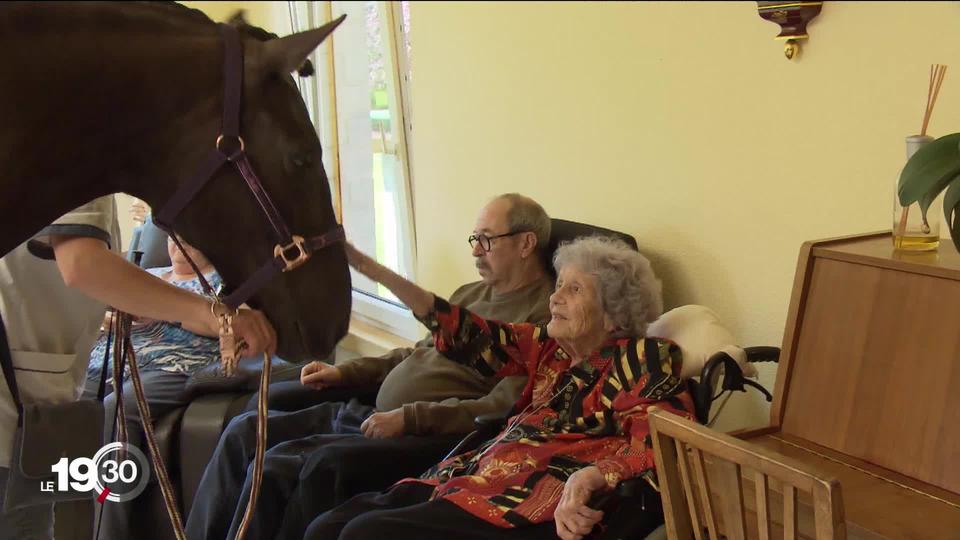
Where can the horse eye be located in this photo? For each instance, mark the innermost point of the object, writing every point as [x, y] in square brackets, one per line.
[301, 160]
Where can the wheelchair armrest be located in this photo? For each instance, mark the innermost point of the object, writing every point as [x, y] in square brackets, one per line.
[762, 354]
[630, 487]
[211, 379]
[490, 422]
[486, 427]
[489, 425]
[733, 378]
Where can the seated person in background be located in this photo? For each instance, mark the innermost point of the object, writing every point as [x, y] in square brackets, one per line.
[582, 428]
[321, 455]
[167, 355]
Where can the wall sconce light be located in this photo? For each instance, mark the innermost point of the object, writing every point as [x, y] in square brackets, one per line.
[792, 18]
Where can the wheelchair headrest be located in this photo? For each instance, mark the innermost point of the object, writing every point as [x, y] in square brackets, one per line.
[562, 230]
[699, 334]
[151, 242]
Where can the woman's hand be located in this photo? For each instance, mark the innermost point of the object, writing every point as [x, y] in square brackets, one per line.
[418, 300]
[319, 375]
[573, 517]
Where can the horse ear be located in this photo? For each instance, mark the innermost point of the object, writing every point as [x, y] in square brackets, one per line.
[287, 54]
[239, 18]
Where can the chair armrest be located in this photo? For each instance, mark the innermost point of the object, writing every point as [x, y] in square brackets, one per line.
[211, 379]
[203, 422]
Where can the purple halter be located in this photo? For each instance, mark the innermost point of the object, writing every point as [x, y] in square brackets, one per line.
[291, 250]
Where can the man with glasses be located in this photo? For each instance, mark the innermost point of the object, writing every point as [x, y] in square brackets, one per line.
[321, 455]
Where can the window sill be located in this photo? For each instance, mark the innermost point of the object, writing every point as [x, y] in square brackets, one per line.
[365, 339]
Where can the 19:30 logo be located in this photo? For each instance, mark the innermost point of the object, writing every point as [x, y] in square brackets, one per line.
[117, 472]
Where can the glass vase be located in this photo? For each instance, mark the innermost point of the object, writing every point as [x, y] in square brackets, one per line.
[910, 231]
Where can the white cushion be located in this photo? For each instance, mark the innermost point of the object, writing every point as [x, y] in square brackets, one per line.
[699, 334]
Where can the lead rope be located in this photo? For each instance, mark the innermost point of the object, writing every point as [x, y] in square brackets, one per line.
[230, 349]
[261, 447]
[166, 487]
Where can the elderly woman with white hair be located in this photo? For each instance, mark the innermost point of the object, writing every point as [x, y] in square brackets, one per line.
[582, 425]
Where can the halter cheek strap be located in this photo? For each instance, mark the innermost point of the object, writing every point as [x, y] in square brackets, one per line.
[291, 251]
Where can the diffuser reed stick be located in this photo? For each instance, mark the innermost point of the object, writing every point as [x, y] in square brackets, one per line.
[937, 72]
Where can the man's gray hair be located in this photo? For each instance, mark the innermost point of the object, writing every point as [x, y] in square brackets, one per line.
[629, 292]
[526, 214]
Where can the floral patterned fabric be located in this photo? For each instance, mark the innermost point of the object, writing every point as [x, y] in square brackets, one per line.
[594, 413]
[161, 345]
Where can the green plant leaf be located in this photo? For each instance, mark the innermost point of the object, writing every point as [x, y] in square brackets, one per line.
[927, 200]
[951, 204]
[930, 170]
[955, 230]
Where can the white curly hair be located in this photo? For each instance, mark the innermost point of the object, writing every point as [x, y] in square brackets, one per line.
[629, 292]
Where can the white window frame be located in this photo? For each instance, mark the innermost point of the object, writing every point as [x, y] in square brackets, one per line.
[320, 94]
[387, 316]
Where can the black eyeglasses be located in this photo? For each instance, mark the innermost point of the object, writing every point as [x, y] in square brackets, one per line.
[485, 241]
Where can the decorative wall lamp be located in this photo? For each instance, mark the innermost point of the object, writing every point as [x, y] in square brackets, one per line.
[792, 18]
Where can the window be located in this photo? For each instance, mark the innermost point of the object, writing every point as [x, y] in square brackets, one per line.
[359, 101]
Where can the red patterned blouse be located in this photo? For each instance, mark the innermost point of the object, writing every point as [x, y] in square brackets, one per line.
[570, 417]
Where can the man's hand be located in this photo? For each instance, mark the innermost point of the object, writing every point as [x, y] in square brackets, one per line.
[573, 517]
[319, 375]
[257, 333]
[383, 425]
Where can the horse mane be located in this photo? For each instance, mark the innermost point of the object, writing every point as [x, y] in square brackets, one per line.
[238, 20]
[177, 7]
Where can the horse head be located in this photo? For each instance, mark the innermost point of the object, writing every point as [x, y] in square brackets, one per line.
[309, 305]
[107, 97]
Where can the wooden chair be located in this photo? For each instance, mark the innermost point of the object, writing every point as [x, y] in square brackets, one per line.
[701, 474]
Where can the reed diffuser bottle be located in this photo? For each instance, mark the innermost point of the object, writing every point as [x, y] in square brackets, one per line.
[912, 230]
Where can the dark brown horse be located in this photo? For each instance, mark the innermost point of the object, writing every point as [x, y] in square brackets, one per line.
[105, 97]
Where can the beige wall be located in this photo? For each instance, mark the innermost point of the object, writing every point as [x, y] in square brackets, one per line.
[680, 123]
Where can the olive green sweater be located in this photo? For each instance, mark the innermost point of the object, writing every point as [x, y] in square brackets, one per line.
[441, 396]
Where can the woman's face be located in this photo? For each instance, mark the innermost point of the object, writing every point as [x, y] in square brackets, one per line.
[177, 258]
[575, 307]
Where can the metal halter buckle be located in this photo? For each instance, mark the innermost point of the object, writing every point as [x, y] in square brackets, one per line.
[293, 260]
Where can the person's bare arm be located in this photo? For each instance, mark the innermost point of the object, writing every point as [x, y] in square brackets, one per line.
[87, 265]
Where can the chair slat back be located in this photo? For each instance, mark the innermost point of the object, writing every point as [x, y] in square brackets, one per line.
[702, 475]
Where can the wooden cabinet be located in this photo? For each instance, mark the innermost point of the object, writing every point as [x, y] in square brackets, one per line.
[868, 387]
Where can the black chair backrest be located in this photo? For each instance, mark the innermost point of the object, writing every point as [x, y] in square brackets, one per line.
[562, 230]
[151, 243]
